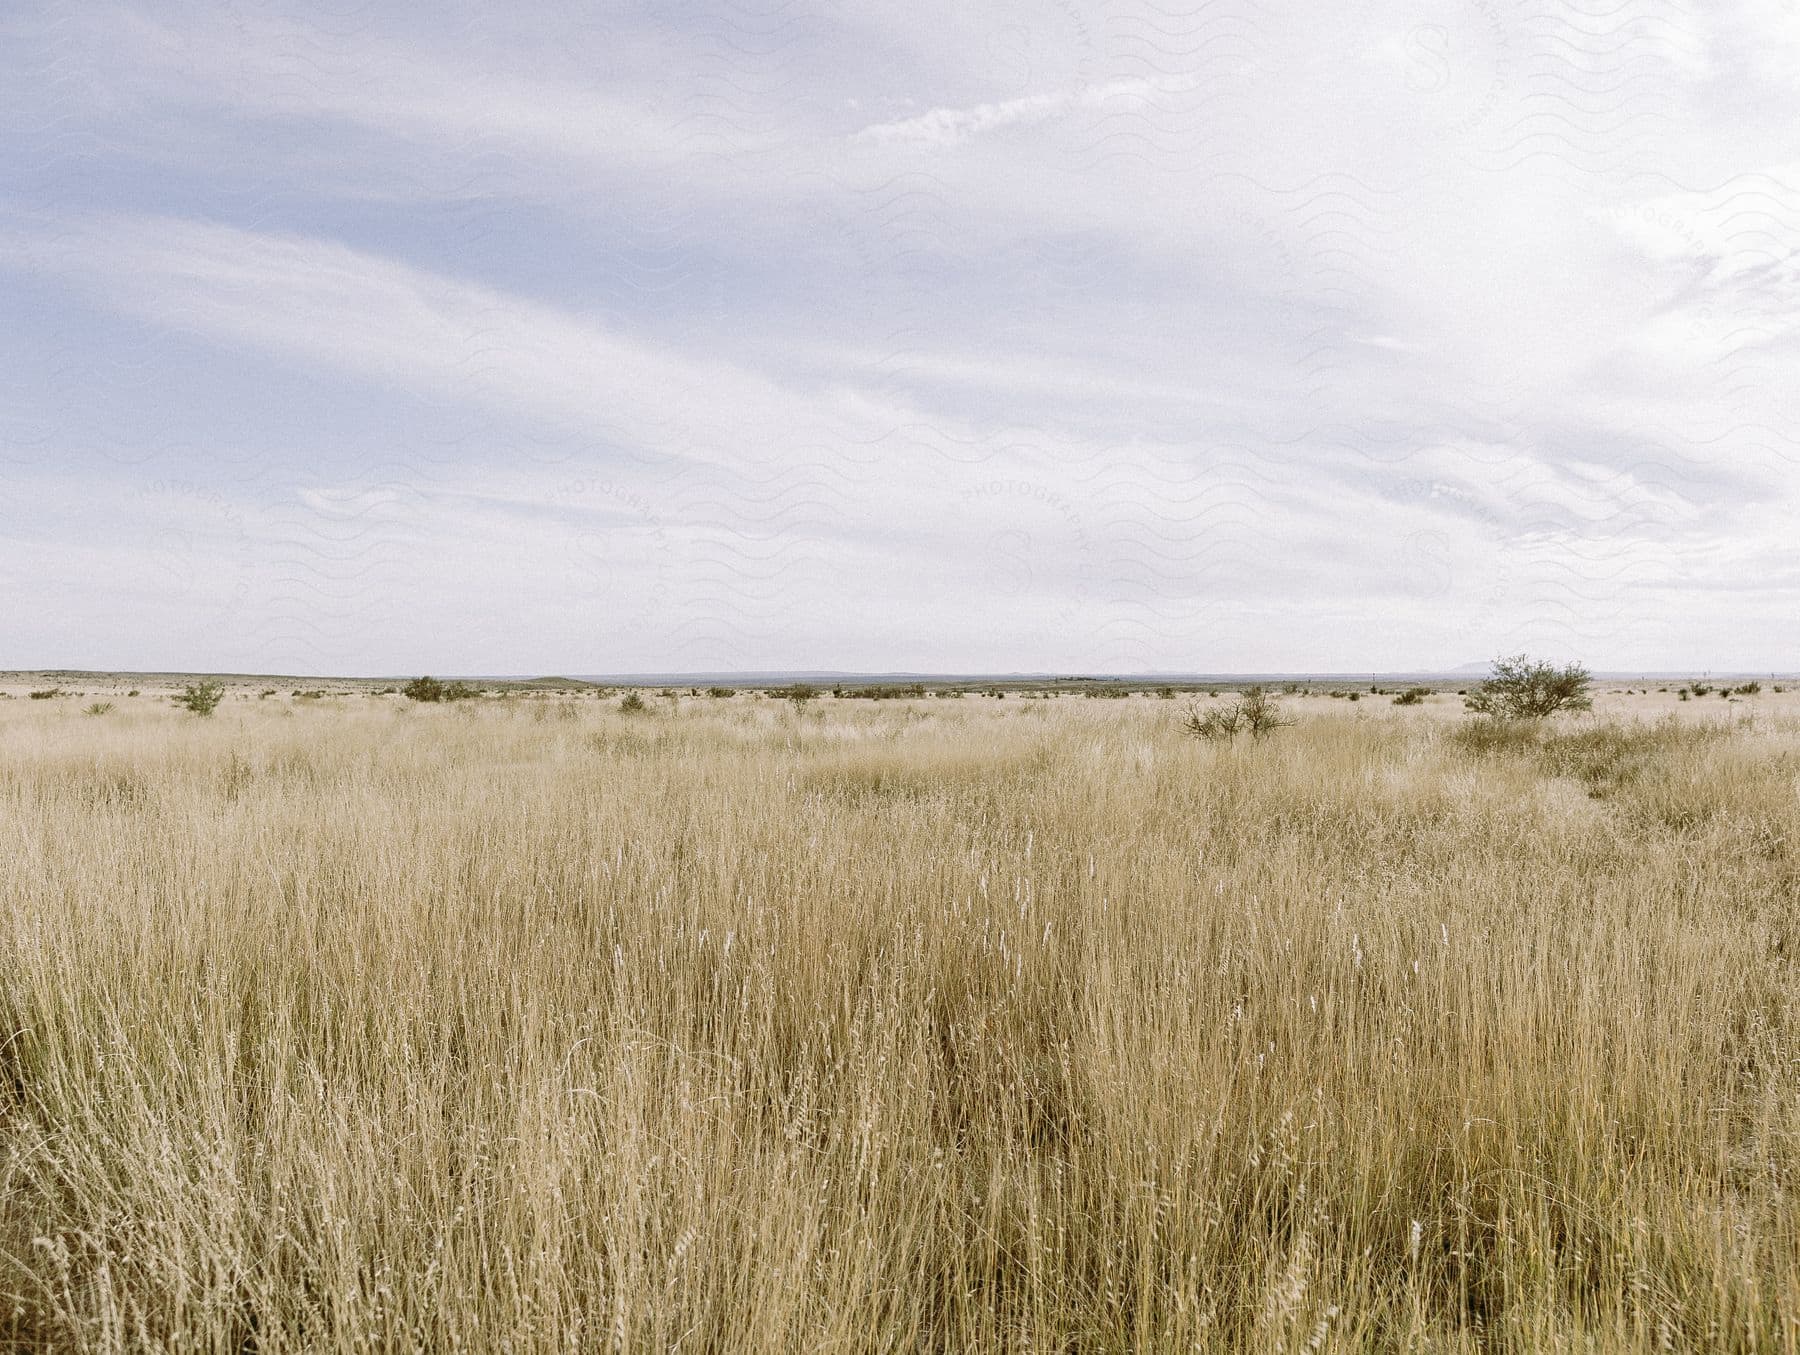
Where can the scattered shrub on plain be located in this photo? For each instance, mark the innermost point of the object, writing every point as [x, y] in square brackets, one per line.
[798, 694]
[202, 698]
[429, 689]
[1523, 688]
[1256, 712]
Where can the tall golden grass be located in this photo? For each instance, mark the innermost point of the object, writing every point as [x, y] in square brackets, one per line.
[950, 1026]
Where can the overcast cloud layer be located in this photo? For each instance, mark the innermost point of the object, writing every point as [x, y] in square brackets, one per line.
[1134, 336]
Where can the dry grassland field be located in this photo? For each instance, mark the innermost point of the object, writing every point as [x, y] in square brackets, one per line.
[527, 1024]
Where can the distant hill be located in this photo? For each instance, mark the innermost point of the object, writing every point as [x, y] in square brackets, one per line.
[836, 677]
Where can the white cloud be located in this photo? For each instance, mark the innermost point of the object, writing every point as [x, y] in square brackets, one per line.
[953, 126]
[1126, 316]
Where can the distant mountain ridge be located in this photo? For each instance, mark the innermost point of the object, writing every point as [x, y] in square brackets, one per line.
[830, 676]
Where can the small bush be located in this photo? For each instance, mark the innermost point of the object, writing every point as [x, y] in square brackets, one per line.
[1261, 712]
[202, 698]
[633, 704]
[1530, 689]
[1256, 711]
[1412, 696]
[1214, 724]
[799, 693]
[98, 708]
[49, 693]
[721, 693]
[429, 689]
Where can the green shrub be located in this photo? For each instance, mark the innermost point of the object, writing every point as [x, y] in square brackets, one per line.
[98, 708]
[47, 694]
[633, 704]
[1530, 689]
[202, 698]
[1255, 711]
[429, 689]
[1412, 696]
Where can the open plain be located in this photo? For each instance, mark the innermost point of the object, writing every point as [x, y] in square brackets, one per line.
[341, 1023]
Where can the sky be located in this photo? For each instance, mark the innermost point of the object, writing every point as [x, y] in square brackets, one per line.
[1129, 336]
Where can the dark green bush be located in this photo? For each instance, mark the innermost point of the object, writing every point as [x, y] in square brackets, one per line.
[202, 698]
[429, 689]
[1530, 689]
